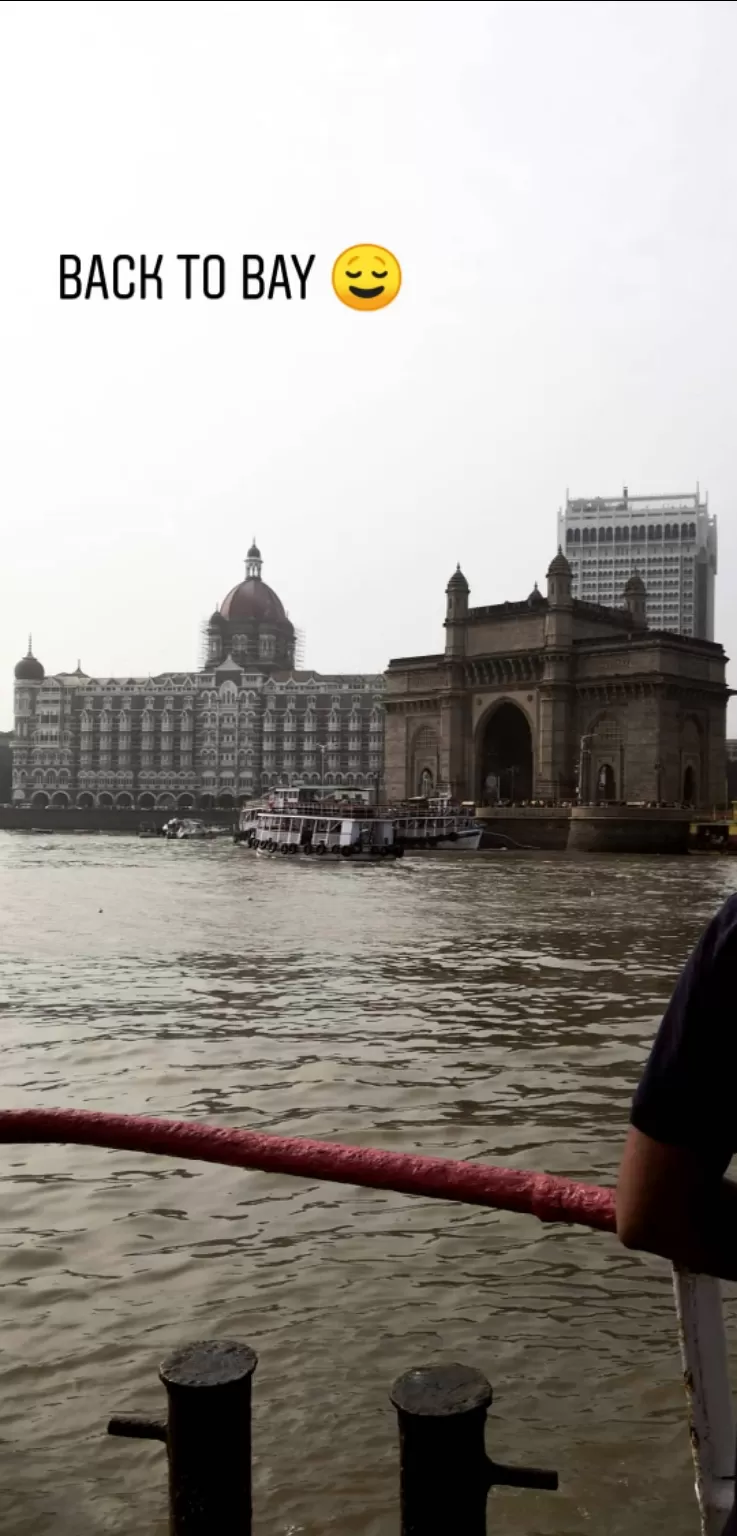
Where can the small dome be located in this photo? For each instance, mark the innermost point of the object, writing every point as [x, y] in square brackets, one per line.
[559, 566]
[636, 584]
[535, 595]
[215, 620]
[458, 580]
[29, 670]
[254, 552]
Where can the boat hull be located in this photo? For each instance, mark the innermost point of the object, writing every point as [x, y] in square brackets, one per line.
[463, 842]
[326, 856]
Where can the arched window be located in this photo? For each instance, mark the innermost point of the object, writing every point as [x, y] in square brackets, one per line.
[605, 783]
[577, 535]
[425, 766]
[569, 535]
[609, 535]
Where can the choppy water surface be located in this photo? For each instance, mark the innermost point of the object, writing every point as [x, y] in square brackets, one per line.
[497, 1008]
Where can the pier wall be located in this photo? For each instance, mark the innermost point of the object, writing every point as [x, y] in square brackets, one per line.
[21, 818]
[628, 829]
[525, 826]
[586, 828]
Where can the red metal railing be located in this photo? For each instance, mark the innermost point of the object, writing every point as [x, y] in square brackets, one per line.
[439, 1178]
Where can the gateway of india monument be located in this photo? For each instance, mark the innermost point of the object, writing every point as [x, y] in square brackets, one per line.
[558, 699]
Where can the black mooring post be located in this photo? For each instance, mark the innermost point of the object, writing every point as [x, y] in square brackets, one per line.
[208, 1438]
[443, 1484]
[445, 1473]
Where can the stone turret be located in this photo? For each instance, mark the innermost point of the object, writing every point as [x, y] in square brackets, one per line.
[456, 613]
[635, 599]
[560, 594]
[557, 693]
[559, 617]
[215, 627]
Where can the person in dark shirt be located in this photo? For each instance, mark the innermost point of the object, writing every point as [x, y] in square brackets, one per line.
[672, 1196]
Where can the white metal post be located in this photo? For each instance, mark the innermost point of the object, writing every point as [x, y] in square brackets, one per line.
[706, 1379]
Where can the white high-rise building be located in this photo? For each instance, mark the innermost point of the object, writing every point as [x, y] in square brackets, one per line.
[670, 541]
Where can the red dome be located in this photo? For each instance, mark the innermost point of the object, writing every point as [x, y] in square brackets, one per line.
[252, 599]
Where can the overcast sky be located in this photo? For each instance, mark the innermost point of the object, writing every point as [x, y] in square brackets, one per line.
[558, 184]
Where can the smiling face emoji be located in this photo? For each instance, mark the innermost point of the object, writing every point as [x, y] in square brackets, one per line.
[367, 277]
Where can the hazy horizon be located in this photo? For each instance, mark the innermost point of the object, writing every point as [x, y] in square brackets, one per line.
[557, 182]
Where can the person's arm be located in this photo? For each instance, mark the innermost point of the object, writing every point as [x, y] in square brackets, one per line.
[671, 1203]
[672, 1198]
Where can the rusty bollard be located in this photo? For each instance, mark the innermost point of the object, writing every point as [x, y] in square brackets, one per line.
[208, 1438]
[445, 1473]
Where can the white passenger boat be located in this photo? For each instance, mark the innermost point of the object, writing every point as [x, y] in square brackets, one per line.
[291, 822]
[437, 823]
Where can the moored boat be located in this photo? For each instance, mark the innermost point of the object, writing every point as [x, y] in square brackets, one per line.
[437, 823]
[186, 827]
[292, 822]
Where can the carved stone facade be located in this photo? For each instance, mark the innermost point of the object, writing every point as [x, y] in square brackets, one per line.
[552, 698]
[246, 722]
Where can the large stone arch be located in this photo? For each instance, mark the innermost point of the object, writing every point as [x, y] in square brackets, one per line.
[691, 766]
[85, 800]
[146, 801]
[39, 800]
[601, 759]
[60, 800]
[505, 754]
[424, 761]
